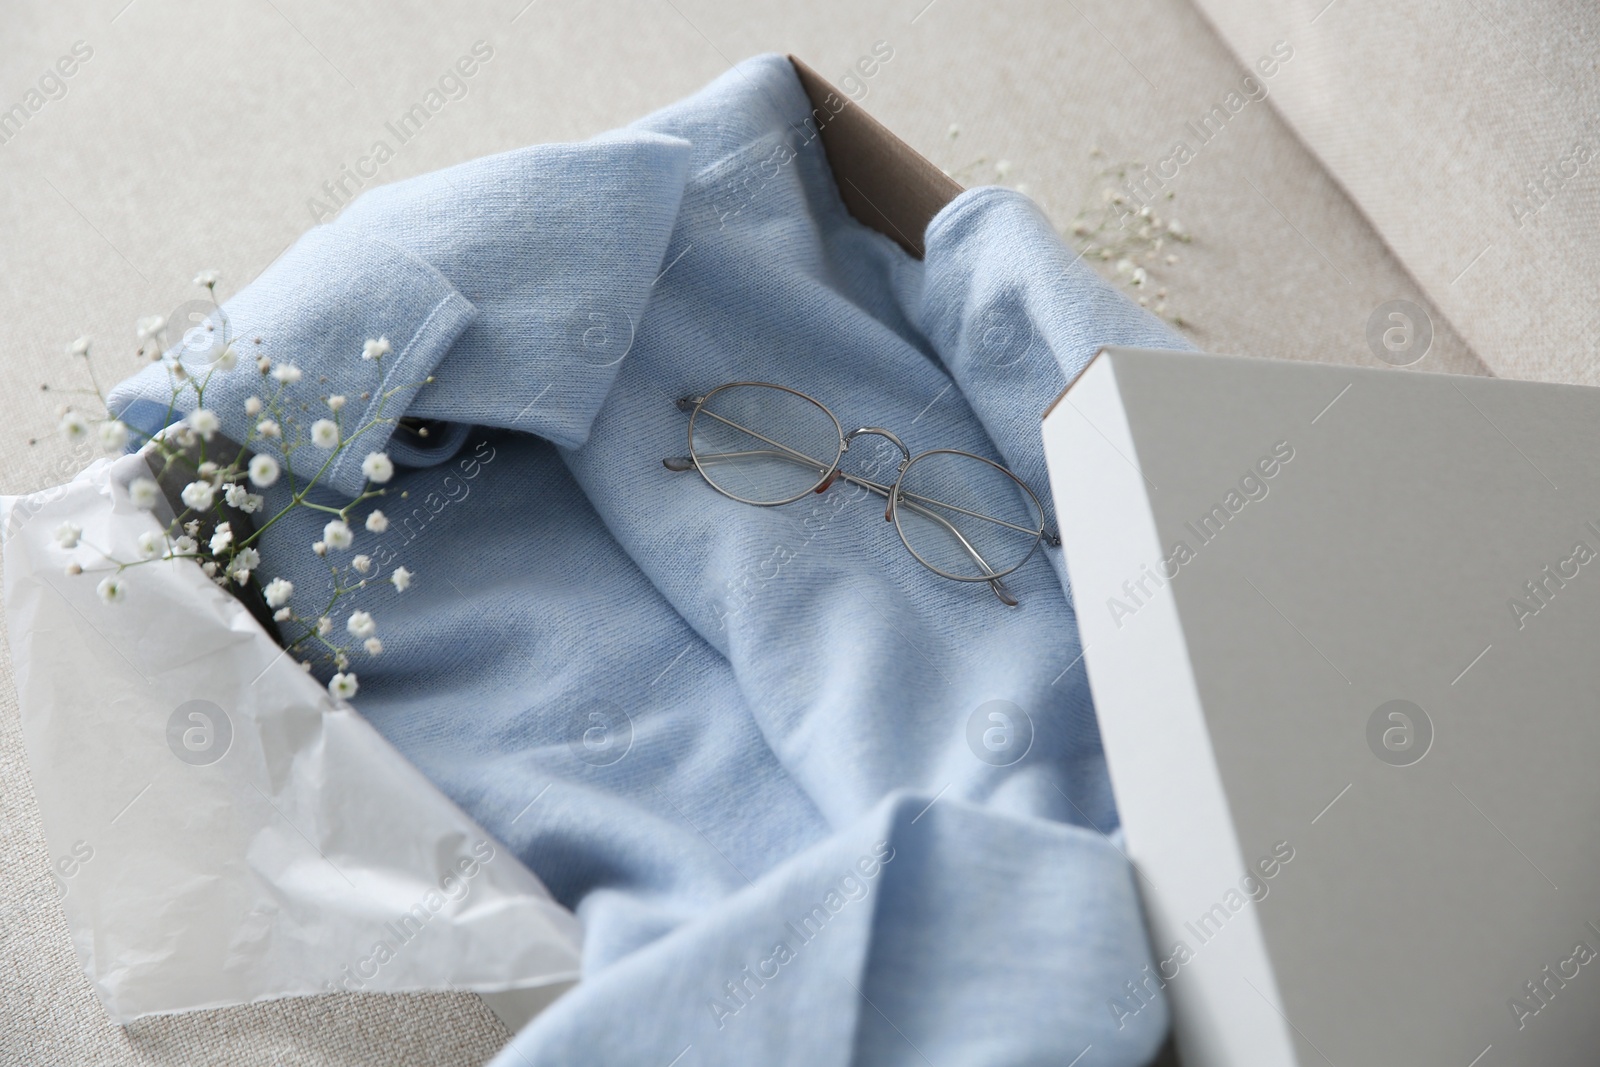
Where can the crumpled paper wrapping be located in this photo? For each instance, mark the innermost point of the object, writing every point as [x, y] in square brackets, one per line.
[220, 831]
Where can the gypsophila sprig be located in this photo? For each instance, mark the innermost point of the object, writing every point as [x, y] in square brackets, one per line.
[1120, 227]
[221, 488]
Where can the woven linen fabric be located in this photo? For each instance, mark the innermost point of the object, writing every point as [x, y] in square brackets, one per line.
[733, 739]
[1466, 133]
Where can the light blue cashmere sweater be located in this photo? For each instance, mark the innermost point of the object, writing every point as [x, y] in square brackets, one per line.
[743, 744]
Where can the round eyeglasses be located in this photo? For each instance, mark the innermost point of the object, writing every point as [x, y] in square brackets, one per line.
[962, 516]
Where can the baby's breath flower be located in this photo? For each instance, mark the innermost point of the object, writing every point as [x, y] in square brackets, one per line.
[192, 527]
[335, 403]
[75, 426]
[240, 574]
[149, 326]
[199, 496]
[207, 469]
[283, 614]
[253, 502]
[401, 579]
[221, 538]
[263, 364]
[144, 492]
[207, 278]
[246, 559]
[204, 422]
[111, 589]
[74, 569]
[362, 563]
[325, 433]
[150, 544]
[236, 495]
[337, 535]
[1002, 168]
[377, 467]
[324, 626]
[377, 522]
[263, 471]
[184, 546]
[252, 406]
[373, 646]
[286, 373]
[80, 347]
[269, 428]
[113, 435]
[320, 547]
[360, 624]
[226, 360]
[210, 567]
[278, 592]
[376, 348]
[343, 685]
[67, 534]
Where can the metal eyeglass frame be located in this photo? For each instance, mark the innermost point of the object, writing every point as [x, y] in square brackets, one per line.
[829, 471]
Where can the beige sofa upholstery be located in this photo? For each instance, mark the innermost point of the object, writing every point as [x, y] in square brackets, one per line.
[1467, 134]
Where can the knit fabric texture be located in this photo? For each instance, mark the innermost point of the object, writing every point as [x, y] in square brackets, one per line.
[737, 741]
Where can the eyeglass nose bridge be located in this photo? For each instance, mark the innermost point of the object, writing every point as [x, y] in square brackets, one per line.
[889, 435]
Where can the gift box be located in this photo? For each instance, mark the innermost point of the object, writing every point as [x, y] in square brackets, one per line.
[1337, 622]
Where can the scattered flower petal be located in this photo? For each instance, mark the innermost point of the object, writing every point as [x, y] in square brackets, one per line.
[377, 467]
[113, 435]
[278, 592]
[199, 496]
[204, 422]
[144, 492]
[337, 535]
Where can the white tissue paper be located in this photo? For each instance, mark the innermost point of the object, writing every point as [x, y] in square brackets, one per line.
[220, 831]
